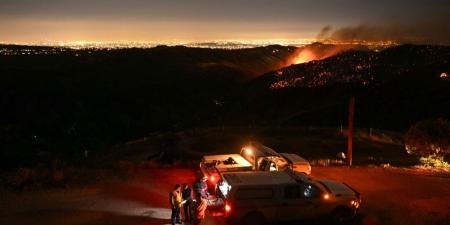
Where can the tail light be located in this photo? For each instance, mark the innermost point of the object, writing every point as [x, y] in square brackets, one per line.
[227, 208]
[355, 203]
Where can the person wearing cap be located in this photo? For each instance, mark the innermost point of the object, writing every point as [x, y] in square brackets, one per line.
[176, 200]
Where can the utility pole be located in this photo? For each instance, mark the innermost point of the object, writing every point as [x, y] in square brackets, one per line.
[351, 113]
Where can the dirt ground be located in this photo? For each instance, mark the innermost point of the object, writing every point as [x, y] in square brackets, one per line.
[390, 196]
[395, 196]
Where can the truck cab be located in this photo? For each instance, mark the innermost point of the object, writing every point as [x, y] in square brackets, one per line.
[264, 158]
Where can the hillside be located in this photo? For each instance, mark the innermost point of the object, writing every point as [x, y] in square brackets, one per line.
[61, 102]
[394, 88]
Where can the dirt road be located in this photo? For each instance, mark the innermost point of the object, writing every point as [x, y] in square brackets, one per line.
[394, 196]
[389, 197]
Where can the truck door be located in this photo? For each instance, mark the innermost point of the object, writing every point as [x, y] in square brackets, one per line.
[294, 205]
[320, 201]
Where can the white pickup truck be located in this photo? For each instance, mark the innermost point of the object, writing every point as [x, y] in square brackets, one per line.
[253, 157]
[255, 198]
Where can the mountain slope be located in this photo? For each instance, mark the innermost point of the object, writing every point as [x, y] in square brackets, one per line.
[394, 88]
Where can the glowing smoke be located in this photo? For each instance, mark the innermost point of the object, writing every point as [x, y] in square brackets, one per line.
[430, 29]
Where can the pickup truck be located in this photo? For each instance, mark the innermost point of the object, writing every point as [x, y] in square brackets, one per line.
[253, 157]
[255, 198]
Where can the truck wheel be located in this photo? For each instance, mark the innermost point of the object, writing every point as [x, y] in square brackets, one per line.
[253, 218]
[341, 216]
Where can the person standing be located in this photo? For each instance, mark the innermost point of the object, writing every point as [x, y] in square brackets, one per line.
[176, 199]
[187, 197]
[199, 209]
[200, 187]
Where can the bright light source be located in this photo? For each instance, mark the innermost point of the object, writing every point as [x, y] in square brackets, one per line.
[444, 75]
[355, 203]
[227, 208]
[212, 178]
[304, 56]
[326, 196]
[248, 151]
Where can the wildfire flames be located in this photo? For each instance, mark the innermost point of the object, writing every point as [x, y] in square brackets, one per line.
[310, 53]
[304, 56]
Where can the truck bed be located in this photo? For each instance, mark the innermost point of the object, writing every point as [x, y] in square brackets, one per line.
[222, 163]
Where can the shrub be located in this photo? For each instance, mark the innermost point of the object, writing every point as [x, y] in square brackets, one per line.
[429, 138]
[434, 162]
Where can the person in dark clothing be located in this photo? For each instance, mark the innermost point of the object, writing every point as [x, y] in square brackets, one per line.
[176, 200]
[199, 208]
[200, 187]
[187, 197]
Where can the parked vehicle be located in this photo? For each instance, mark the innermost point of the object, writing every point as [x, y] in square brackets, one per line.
[253, 157]
[284, 196]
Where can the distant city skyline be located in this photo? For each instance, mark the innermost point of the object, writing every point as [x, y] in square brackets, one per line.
[205, 20]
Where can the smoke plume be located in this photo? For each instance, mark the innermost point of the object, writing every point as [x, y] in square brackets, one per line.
[430, 30]
[324, 32]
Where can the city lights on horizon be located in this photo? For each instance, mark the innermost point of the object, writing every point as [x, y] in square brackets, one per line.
[223, 44]
[232, 44]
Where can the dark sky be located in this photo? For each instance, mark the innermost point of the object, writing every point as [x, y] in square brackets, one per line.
[197, 20]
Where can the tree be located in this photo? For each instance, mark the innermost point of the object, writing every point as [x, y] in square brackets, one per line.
[429, 138]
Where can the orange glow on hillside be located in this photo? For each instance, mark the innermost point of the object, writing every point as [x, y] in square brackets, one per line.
[304, 56]
[316, 52]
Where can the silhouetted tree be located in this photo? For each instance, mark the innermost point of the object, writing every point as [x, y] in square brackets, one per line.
[429, 138]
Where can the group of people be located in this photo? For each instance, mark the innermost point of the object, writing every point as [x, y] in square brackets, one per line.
[193, 208]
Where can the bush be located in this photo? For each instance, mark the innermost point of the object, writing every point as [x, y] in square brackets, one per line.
[429, 138]
[434, 162]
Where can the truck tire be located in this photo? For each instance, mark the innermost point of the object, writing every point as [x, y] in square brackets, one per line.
[341, 216]
[253, 218]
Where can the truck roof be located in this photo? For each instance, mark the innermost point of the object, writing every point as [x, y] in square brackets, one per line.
[263, 178]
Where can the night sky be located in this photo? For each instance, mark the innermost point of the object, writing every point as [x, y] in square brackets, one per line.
[201, 20]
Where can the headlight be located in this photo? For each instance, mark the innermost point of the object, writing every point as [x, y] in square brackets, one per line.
[355, 203]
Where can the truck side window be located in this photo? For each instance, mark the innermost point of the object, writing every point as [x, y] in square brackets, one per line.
[254, 193]
[293, 192]
[310, 191]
